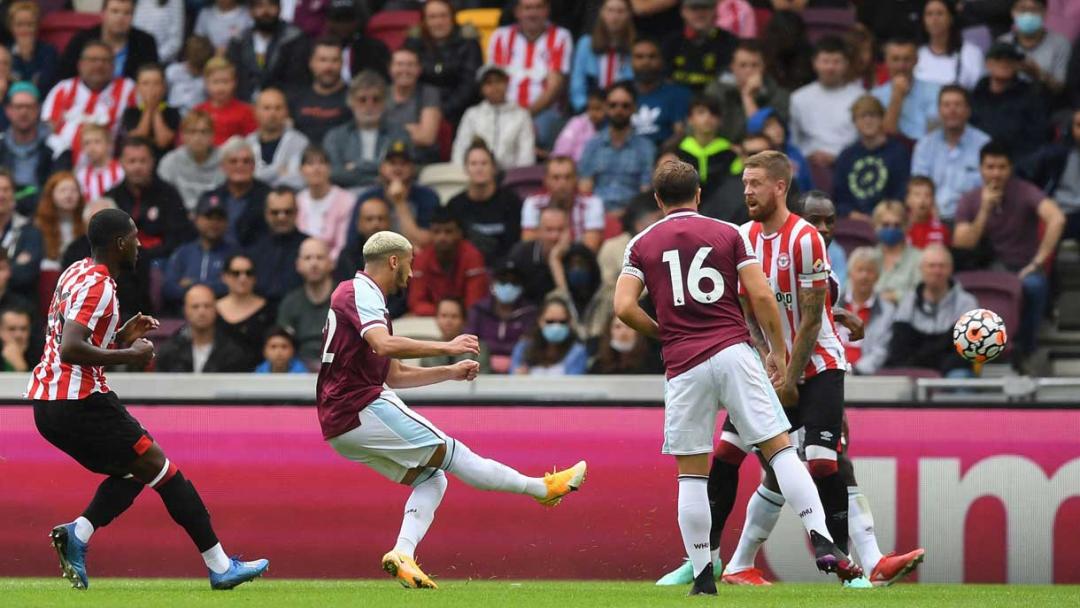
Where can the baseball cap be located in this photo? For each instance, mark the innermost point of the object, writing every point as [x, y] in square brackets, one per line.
[24, 87]
[508, 269]
[1004, 50]
[490, 68]
[211, 205]
[399, 148]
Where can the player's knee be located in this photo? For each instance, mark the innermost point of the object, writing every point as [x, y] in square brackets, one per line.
[821, 468]
[729, 452]
[156, 478]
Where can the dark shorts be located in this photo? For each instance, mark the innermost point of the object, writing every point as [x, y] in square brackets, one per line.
[820, 411]
[98, 432]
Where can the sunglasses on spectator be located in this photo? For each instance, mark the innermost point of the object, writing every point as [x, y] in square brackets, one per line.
[281, 212]
[247, 272]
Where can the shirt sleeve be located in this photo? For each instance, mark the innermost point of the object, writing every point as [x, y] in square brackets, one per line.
[91, 304]
[594, 213]
[968, 206]
[370, 309]
[530, 213]
[632, 263]
[564, 49]
[744, 253]
[587, 163]
[811, 261]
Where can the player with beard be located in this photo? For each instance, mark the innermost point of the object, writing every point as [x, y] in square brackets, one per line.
[75, 410]
[364, 421]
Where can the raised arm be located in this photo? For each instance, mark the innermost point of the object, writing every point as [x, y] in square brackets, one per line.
[399, 347]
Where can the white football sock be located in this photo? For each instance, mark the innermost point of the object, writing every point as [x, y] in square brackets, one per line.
[761, 514]
[487, 474]
[861, 529]
[216, 560]
[83, 529]
[695, 519]
[800, 491]
[420, 512]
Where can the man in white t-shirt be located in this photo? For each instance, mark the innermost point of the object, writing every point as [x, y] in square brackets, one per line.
[821, 123]
[561, 190]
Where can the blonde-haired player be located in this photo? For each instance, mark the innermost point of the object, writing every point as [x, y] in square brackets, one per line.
[364, 421]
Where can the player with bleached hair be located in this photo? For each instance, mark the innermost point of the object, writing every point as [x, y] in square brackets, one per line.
[364, 421]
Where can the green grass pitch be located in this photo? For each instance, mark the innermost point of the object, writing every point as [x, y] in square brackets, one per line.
[270, 593]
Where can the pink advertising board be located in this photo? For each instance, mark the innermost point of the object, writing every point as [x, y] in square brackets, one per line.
[993, 495]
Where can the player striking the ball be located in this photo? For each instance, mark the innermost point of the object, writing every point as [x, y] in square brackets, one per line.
[364, 421]
[692, 266]
[75, 410]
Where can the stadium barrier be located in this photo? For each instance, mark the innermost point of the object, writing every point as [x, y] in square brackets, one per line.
[992, 494]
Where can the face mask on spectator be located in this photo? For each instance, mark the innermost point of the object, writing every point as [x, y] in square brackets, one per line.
[506, 293]
[621, 346]
[890, 236]
[1029, 23]
[555, 333]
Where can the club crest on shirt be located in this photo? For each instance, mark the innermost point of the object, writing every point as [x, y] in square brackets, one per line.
[783, 261]
[819, 265]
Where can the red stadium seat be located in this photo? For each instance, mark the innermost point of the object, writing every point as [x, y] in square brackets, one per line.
[854, 233]
[999, 291]
[525, 181]
[58, 27]
[391, 27]
[445, 141]
[821, 22]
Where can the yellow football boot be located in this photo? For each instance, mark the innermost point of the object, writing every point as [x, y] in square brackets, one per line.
[561, 483]
[404, 569]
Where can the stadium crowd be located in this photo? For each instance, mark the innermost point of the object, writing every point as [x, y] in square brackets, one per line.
[258, 144]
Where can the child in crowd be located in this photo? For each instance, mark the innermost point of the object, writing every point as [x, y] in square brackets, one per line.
[97, 171]
[581, 128]
[230, 115]
[187, 88]
[279, 353]
[223, 21]
[716, 160]
[924, 226]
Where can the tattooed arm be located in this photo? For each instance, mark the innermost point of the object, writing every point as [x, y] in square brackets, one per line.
[811, 304]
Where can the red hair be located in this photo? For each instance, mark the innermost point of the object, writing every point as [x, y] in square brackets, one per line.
[47, 218]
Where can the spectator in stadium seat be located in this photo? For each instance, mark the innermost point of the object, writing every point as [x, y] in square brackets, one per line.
[944, 56]
[187, 87]
[1057, 171]
[821, 125]
[923, 325]
[131, 46]
[585, 212]
[164, 20]
[788, 52]
[324, 210]
[617, 163]
[745, 89]
[257, 52]
[505, 127]
[14, 300]
[863, 66]
[321, 105]
[99, 170]
[532, 256]
[15, 326]
[412, 205]
[1046, 53]
[242, 314]
[866, 356]
[450, 319]
[910, 103]
[195, 166]
[551, 347]
[873, 168]
[1002, 218]
[372, 215]
[277, 146]
[768, 123]
[537, 55]
[698, 53]
[899, 262]
[24, 147]
[621, 350]
[222, 21]
[95, 96]
[1008, 108]
[489, 214]
[276, 251]
[577, 281]
[640, 214]
[59, 217]
[243, 196]
[345, 21]
[449, 55]
[200, 347]
[32, 60]
[501, 319]
[924, 227]
[201, 260]
[22, 241]
[581, 128]
[154, 205]
[230, 115]
[354, 158]
[414, 105]
[450, 267]
[602, 58]
[303, 310]
[712, 155]
[949, 155]
[279, 353]
[661, 104]
[152, 118]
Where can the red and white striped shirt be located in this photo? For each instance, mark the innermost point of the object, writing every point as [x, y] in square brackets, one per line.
[795, 256]
[529, 62]
[85, 294]
[96, 181]
[71, 104]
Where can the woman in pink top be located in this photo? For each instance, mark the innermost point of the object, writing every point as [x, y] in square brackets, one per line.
[323, 209]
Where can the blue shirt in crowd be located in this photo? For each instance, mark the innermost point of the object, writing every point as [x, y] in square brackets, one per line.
[864, 177]
[618, 174]
[920, 107]
[191, 261]
[659, 111]
[955, 170]
[587, 68]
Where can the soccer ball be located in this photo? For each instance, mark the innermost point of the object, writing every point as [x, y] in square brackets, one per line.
[979, 335]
